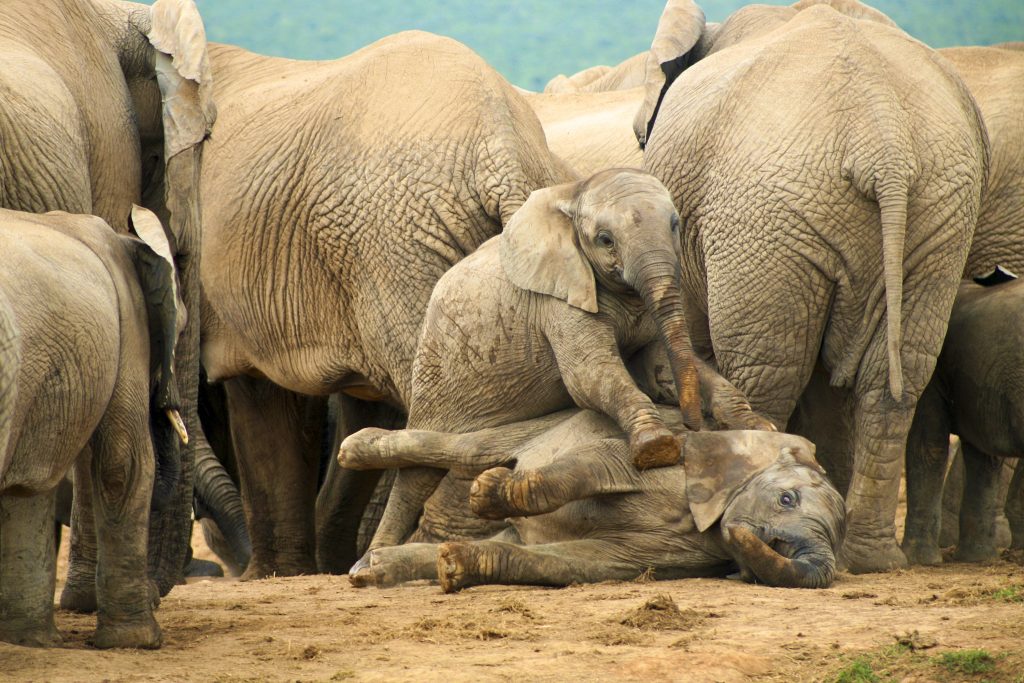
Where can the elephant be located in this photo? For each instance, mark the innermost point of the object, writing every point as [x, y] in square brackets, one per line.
[953, 493]
[109, 110]
[581, 512]
[628, 74]
[334, 196]
[88, 325]
[591, 131]
[828, 171]
[584, 275]
[975, 394]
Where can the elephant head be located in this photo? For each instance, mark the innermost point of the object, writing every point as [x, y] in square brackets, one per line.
[780, 518]
[619, 228]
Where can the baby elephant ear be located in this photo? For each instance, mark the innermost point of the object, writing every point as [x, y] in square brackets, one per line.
[719, 463]
[539, 251]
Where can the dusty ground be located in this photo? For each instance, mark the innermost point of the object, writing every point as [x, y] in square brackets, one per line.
[319, 628]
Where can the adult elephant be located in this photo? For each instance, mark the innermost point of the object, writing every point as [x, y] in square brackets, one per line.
[108, 110]
[828, 170]
[335, 194]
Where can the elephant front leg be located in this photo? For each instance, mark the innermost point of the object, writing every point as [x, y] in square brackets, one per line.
[79, 592]
[979, 505]
[881, 426]
[28, 570]
[1015, 506]
[475, 563]
[926, 459]
[597, 468]
[277, 444]
[123, 467]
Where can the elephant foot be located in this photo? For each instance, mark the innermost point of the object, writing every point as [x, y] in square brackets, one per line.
[386, 567]
[258, 569]
[457, 566]
[490, 495]
[78, 598]
[921, 552]
[198, 568]
[654, 447]
[142, 633]
[363, 450]
[975, 553]
[39, 635]
[873, 555]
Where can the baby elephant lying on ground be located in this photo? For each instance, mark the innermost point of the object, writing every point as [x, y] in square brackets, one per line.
[581, 512]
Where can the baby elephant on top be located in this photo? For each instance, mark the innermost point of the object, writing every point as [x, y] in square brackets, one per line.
[584, 275]
[581, 512]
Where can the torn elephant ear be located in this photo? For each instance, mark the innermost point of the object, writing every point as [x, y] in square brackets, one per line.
[154, 265]
[717, 464]
[672, 52]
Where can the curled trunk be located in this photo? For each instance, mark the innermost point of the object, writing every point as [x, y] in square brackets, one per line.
[222, 503]
[814, 570]
[657, 281]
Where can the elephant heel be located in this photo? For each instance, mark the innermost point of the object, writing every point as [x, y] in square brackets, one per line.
[488, 497]
[654, 448]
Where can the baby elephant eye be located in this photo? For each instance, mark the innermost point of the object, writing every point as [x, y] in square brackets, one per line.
[605, 240]
[787, 499]
[674, 223]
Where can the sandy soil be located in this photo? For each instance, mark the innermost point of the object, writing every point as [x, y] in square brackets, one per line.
[319, 628]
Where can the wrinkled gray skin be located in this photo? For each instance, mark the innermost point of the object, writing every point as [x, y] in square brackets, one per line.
[591, 131]
[541, 317]
[977, 392]
[828, 171]
[953, 492]
[83, 128]
[335, 194]
[581, 512]
[76, 360]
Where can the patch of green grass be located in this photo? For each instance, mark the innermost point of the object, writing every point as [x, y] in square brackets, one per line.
[859, 671]
[968, 661]
[1009, 594]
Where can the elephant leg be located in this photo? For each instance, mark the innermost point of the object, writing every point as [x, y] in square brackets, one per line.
[345, 493]
[122, 487]
[1004, 535]
[473, 563]
[596, 468]
[926, 457]
[374, 511]
[398, 564]
[1015, 506]
[79, 593]
[952, 493]
[277, 446]
[28, 570]
[979, 505]
[823, 415]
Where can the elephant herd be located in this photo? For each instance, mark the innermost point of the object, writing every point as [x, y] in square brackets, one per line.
[573, 326]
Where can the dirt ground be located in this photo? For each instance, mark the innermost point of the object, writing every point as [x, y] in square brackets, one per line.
[936, 624]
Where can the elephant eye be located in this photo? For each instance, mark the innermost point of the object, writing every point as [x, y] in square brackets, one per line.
[605, 240]
[674, 223]
[787, 499]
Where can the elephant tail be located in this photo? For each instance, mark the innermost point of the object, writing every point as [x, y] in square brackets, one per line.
[891, 193]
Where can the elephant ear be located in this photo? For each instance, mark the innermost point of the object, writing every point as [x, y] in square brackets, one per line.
[154, 266]
[717, 464]
[539, 250]
[672, 51]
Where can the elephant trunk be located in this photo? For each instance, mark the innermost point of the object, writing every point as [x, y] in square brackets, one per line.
[166, 446]
[657, 280]
[814, 571]
[219, 497]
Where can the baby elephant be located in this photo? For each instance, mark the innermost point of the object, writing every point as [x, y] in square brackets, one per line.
[584, 275]
[977, 392]
[581, 512]
[87, 318]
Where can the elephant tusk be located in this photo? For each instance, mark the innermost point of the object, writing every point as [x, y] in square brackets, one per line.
[179, 425]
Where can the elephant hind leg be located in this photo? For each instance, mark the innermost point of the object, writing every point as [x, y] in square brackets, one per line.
[79, 592]
[28, 570]
[464, 564]
[1015, 506]
[979, 505]
[123, 467]
[927, 456]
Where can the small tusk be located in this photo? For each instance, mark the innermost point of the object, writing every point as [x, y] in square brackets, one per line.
[179, 425]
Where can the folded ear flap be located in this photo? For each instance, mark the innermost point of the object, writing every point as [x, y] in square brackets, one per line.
[154, 265]
[539, 251]
[719, 463]
[679, 30]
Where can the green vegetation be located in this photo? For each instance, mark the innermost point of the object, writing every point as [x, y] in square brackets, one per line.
[968, 661]
[859, 671]
[1009, 594]
[530, 41]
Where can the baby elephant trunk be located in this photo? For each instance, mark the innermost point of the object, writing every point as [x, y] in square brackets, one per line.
[657, 281]
[813, 570]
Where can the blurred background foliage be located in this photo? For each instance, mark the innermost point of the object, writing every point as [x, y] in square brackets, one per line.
[530, 41]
